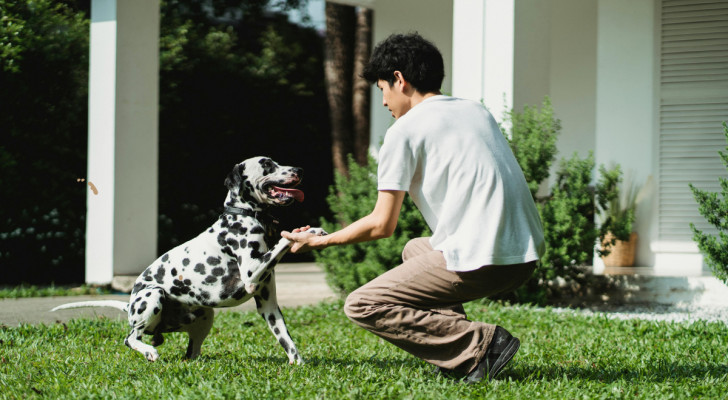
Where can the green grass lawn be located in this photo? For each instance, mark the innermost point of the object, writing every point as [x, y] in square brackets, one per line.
[562, 356]
[25, 290]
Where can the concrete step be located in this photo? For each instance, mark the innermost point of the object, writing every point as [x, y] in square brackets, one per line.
[644, 285]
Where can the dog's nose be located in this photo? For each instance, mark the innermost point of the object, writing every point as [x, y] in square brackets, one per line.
[298, 172]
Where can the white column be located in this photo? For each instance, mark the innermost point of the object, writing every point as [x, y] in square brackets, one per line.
[483, 52]
[121, 225]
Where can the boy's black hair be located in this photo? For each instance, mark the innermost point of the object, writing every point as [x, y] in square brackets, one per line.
[419, 61]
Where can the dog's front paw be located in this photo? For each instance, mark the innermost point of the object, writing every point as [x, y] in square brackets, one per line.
[151, 355]
[317, 231]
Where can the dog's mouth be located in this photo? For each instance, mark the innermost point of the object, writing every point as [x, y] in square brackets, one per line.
[284, 192]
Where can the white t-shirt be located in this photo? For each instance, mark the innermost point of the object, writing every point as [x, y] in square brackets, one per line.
[452, 158]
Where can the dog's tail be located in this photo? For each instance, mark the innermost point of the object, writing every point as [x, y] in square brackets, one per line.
[119, 305]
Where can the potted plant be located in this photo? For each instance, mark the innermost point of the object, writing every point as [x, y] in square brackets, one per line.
[616, 204]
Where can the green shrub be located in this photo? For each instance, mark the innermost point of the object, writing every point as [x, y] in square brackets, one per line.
[567, 216]
[354, 197]
[43, 120]
[715, 210]
[533, 141]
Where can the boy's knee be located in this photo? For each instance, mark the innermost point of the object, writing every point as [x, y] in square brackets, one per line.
[352, 306]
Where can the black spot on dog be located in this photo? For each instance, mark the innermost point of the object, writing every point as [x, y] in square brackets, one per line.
[218, 271]
[186, 262]
[257, 230]
[187, 282]
[212, 230]
[271, 319]
[137, 287]
[174, 271]
[254, 252]
[148, 294]
[200, 268]
[233, 243]
[159, 276]
[257, 302]
[250, 273]
[213, 260]
[210, 280]
[156, 310]
[243, 243]
[221, 238]
[283, 343]
[228, 251]
[276, 331]
[239, 294]
[237, 229]
[142, 307]
[264, 293]
[165, 258]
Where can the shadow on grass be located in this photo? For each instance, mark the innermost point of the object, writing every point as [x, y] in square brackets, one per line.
[520, 372]
[379, 363]
[657, 373]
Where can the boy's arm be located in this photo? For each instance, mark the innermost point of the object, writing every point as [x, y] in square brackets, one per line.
[380, 223]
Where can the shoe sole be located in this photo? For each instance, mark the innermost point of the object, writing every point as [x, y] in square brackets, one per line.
[504, 358]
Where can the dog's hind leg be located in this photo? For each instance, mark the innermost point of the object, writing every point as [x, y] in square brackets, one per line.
[145, 312]
[267, 304]
[198, 330]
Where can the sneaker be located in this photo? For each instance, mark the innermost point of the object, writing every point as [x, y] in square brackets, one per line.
[500, 351]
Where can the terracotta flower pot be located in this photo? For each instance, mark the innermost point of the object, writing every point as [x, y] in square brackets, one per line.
[622, 252]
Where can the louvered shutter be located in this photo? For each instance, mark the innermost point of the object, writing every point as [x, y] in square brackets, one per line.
[693, 105]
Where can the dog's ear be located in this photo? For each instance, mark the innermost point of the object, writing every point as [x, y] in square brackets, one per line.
[235, 179]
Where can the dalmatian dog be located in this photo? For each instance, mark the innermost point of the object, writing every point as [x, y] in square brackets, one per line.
[224, 266]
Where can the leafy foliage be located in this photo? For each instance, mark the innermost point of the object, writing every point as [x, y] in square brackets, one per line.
[568, 217]
[352, 198]
[714, 207]
[533, 141]
[237, 83]
[236, 80]
[43, 76]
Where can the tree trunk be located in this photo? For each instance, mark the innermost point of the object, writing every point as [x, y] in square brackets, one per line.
[361, 95]
[340, 25]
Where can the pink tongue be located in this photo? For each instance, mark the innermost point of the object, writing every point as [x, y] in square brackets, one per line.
[295, 193]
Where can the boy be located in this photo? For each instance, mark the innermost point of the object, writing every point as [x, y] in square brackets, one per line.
[454, 162]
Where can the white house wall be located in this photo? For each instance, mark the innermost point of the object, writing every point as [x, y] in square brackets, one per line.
[626, 101]
[433, 20]
[573, 73]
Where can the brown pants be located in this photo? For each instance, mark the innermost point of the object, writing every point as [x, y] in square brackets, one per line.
[417, 306]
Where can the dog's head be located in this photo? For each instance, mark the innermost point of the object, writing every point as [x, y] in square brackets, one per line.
[263, 181]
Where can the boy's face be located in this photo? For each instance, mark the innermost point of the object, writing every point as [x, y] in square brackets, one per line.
[393, 97]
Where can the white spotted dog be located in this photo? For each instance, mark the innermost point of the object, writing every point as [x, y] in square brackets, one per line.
[224, 266]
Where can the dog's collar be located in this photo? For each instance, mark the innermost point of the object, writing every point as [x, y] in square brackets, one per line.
[261, 216]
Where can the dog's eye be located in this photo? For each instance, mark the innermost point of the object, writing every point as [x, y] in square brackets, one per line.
[267, 163]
